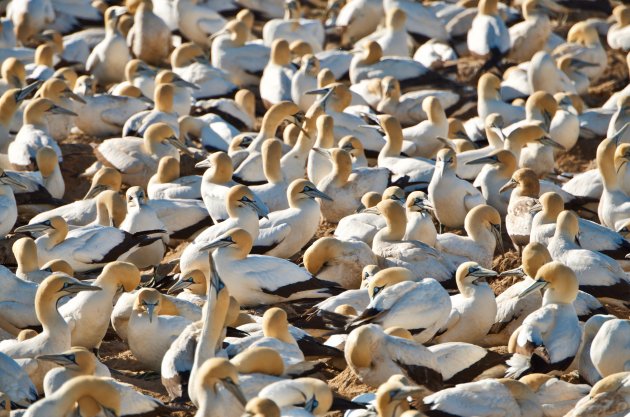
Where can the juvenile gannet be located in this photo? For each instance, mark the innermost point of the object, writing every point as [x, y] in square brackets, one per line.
[108, 59]
[419, 257]
[149, 333]
[88, 314]
[276, 77]
[149, 38]
[85, 248]
[610, 349]
[217, 390]
[63, 401]
[549, 338]
[485, 398]
[167, 183]
[488, 36]
[450, 196]
[291, 229]
[282, 280]
[518, 220]
[231, 52]
[473, 309]
[190, 63]
[597, 273]
[394, 298]
[55, 336]
[34, 133]
[137, 158]
[339, 261]
[346, 186]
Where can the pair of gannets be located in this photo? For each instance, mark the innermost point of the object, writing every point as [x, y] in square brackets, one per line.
[25, 253]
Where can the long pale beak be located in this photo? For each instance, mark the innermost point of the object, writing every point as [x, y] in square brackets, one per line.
[537, 285]
[496, 231]
[235, 390]
[484, 160]
[79, 286]
[516, 272]
[548, 141]
[146, 70]
[182, 148]
[179, 285]
[94, 191]
[620, 133]
[150, 311]
[60, 110]
[319, 91]
[183, 83]
[218, 243]
[315, 193]
[35, 227]
[261, 210]
[497, 129]
[481, 272]
[71, 95]
[510, 185]
[28, 90]
[145, 99]
[60, 359]
[10, 180]
[203, 164]
[404, 392]
[216, 281]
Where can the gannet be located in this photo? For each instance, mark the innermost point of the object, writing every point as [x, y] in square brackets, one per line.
[424, 135]
[565, 125]
[291, 229]
[137, 158]
[420, 225]
[530, 36]
[241, 111]
[556, 396]
[364, 224]
[58, 91]
[196, 21]
[85, 248]
[300, 396]
[25, 253]
[7, 202]
[163, 112]
[257, 368]
[34, 133]
[216, 389]
[191, 64]
[305, 79]
[137, 74]
[617, 35]
[488, 36]
[272, 194]
[276, 77]
[10, 102]
[518, 220]
[149, 38]
[489, 101]
[182, 94]
[55, 336]
[262, 407]
[613, 209]
[43, 186]
[393, 38]
[608, 397]
[597, 273]
[450, 196]
[339, 261]
[346, 186]
[15, 382]
[610, 349]
[167, 183]
[394, 302]
[108, 59]
[283, 280]
[293, 27]
[552, 330]
[13, 74]
[585, 366]
[584, 45]
[470, 162]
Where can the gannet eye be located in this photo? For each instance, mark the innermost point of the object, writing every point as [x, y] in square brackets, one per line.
[377, 290]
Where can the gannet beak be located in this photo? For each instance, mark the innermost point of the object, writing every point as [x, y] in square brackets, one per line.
[10, 180]
[538, 284]
[404, 392]
[150, 311]
[484, 160]
[203, 164]
[145, 99]
[546, 140]
[35, 227]
[496, 231]
[516, 272]
[60, 110]
[311, 404]
[180, 284]
[510, 184]
[60, 359]
[79, 286]
[146, 70]
[498, 131]
[536, 208]
[218, 243]
[371, 210]
[620, 133]
[481, 272]
[261, 210]
[177, 144]
[315, 193]
[216, 281]
[28, 90]
[180, 82]
[319, 91]
[216, 35]
[71, 95]
[235, 390]
[94, 191]
[109, 412]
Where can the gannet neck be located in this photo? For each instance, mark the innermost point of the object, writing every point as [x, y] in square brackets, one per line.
[342, 167]
[325, 136]
[46, 299]
[393, 136]
[396, 219]
[221, 170]
[605, 157]
[488, 7]
[271, 155]
[8, 106]
[272, 119]
[25, 252]
[163, 98]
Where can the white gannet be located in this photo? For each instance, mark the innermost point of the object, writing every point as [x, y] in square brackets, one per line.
[262, 407]
[489, 101]
[393, 38]
[240, 112]
[470, 162]
[108, 59]
[544, 75]
[473, 309]
[420, 224]
[291, 229]
[42, 186]
[610, 349]
[318, 164]
[488, 36]
[364, 224]
[293, 27]
[257, 368]
[276, 78]
[425, 134]
[394, 295]
[197, 21]
[58, 91]
[163, 112]
[565, 125]
[137, 74]
[25, 253]
[584, 45]
[191, 64]
[451, 197]
[518, 221]
[88, 314]
[149, 333]
[137, 158]
[530, 36]
[34, 132]
[15, 382]
[55, 336]
[338, 260]
[305, 79]
[182, 94]
[257, 279]
[30, 17]
[167, 183]
[149, 38]
[585, 366]
[231, 52]
[549, 338]
[346, 186]
[85, 248]
[10, 102]
[617, 35]
[7, 202]
[597, 274]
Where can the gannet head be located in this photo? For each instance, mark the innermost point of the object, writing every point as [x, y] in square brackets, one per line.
[470, 274]
[559, 280]
[386, 278]
[259, 360]
[526, 181]
[534, 256]
[261, 407]
[216, 371]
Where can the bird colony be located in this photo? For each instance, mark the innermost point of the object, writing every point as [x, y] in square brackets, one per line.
[266, 208]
